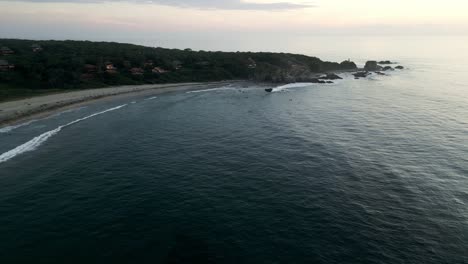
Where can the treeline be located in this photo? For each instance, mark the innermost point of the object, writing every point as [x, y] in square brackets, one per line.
[27, 64]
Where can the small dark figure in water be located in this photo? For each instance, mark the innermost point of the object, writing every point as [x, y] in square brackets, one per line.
[269, 90]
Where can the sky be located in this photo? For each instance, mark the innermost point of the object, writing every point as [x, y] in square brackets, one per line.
[200, 22]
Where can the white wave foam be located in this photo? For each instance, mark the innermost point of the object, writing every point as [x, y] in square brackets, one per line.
[305, 84]
[212, 89]
[11, 128]
[39, 140]
[29, 146]
[151, 98]
[290, 85]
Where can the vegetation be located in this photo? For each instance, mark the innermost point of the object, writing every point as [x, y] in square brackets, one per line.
[37, 66]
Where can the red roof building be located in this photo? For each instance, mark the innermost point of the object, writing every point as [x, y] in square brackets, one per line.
[159, 70]
[6, 51]
[137, 71]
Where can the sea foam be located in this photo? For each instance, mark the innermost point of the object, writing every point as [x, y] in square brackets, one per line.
[213, 89]
[39, 140]
[11, 128]
[305, 84]
[290, 85]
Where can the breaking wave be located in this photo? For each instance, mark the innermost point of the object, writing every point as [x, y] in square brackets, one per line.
[212, 89]
[39, 140]
[151, 98]
[290, 85]
[11, 128]
[305, 84]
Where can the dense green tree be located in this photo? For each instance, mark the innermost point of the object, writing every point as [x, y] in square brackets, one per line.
[66, 65]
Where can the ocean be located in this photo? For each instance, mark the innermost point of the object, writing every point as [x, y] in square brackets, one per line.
[361, 171]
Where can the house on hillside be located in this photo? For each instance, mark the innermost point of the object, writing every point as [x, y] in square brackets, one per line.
[137, 71]
[177, 64]
[110, 68]
[159, 70]
[5, 66]
[36, 48]
[89, 68]
[6, 51]
[251, 64]
[148, 64]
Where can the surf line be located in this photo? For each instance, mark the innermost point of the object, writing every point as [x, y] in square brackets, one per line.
[11, 128]
[39, 140]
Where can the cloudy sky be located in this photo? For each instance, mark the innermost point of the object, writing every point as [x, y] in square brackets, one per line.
[193, 21]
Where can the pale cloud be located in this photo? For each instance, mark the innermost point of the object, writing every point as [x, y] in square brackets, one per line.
[199, 4]
[99, 19]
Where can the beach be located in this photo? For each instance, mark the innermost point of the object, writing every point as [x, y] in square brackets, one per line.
[12, 112]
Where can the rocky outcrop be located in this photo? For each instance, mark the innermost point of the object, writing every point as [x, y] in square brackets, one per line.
[387, 68]
[289, 68]
[385, 62]
[317, 80]
[331, 76]
[362, 74]
[372, 66]
[348, 65]
[399, 67]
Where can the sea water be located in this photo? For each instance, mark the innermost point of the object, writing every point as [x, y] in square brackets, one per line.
[361, 171]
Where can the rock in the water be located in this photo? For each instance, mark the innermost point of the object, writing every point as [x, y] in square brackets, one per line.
[362, 74]
[385, 62]
[331, 76]
[316, 80]
[399, 67]
[387, 68]
[269, 90]
[380, 73]
[348, 65]
[329, 82]
[372, 66]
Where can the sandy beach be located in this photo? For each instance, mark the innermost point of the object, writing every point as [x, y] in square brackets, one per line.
[21, 110]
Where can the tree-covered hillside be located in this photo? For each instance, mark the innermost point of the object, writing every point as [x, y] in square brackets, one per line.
[36, 65]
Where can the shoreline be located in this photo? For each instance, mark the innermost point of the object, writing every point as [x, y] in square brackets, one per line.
[23, 110]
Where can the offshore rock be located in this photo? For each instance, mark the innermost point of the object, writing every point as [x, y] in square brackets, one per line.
[385, 62]
[372, 66]
[348, 65]
[362, 74]
[331, 76]
[316, 80]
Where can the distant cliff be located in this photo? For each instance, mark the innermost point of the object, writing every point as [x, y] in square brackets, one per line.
[27, 64]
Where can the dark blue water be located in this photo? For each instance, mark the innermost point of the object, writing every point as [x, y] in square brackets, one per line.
[363, 171]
